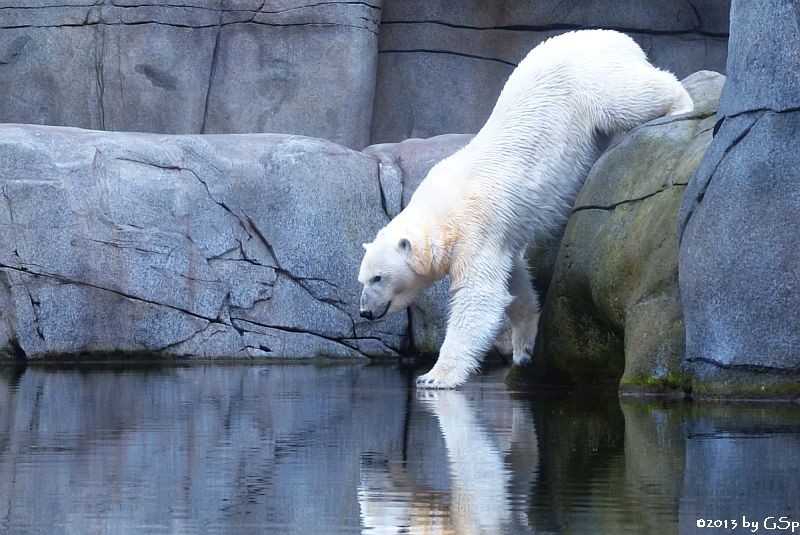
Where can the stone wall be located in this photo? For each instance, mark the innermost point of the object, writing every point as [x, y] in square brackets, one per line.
[442, 64]
[351, 72]
[191, 66]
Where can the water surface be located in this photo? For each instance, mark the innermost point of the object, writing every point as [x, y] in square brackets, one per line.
[349, 449]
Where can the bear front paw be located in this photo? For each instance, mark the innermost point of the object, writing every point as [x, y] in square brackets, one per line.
[438, 378]
[523, 348]
[522, 355]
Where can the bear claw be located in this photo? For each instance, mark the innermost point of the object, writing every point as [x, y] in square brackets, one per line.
[430, 381]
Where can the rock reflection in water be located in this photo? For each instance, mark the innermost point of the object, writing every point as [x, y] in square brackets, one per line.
[349, 449]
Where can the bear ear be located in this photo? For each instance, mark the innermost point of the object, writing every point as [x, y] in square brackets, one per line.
[365, 245]
[417, 255]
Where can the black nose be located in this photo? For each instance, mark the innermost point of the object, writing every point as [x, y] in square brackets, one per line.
[366, 314]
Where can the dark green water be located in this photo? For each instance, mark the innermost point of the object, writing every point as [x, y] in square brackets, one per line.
[345, 449]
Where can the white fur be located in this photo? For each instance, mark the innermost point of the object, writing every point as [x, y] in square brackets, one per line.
[477, 210]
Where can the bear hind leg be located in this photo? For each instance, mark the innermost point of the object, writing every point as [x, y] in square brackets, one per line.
[682, 103]
[523, 312]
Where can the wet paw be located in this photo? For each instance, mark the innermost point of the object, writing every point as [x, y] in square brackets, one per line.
[523, 354]
[523, 348]
[439, 379]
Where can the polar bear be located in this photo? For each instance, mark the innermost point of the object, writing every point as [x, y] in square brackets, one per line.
[477, 210]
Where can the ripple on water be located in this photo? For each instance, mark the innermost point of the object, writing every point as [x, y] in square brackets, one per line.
[345, 449]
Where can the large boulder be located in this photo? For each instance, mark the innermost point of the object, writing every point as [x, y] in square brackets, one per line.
[465, 50]
[189, 66]
[739, 255]
[204, 246]
[613, 308]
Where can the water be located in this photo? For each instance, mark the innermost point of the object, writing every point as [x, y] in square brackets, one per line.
[344, 449]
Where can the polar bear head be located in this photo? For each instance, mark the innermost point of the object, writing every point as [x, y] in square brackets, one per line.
[394, 271]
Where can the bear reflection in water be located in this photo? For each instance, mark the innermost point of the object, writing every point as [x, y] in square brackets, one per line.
[478, 497]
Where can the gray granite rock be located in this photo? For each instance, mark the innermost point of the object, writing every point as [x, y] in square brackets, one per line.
[308, 68]
[299, 67]
[192, 66]
[764, 65]
[423, 94]
[442, 64]
[613, 312]
[740, 269]
[203, 246]
[739, 260]
[706, 16]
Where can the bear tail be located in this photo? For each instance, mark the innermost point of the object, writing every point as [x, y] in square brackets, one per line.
[683, 102]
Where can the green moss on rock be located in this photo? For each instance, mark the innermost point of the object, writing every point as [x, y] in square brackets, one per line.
[710, 381]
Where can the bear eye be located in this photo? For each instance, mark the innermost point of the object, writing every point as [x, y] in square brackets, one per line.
[376, 278]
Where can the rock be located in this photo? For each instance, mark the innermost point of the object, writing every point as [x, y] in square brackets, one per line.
[705, 88]
[613, 309]
[739, 260]
[307, 68]
[184, 67]
[763, 75]
[413, 158]
[467, 50]
[440, 93]
[409, 162]
[207, 246]
[708, 16]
